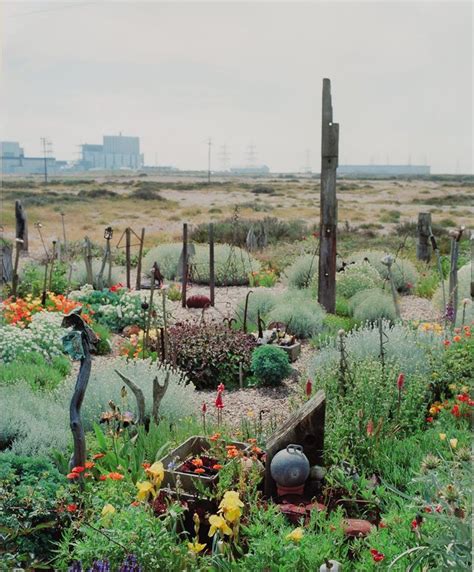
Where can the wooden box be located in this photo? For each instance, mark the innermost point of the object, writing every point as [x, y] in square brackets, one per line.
[293, 351]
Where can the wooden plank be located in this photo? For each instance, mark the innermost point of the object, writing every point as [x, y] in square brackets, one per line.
[423, 246]
[306, 428]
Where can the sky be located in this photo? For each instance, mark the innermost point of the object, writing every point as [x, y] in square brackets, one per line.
[245, 74]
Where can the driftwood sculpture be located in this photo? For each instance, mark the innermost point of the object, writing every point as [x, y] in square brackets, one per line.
[80, 344]
[158, 394]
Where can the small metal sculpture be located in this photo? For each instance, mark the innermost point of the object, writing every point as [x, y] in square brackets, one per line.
[156, 275]
[79, 344]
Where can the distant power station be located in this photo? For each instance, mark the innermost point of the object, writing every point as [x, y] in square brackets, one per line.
[383, 170]
[13, 161]
[116, 152]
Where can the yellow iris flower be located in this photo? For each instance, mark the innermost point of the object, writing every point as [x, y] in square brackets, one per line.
[453, 443]
[218, 524]
[157, 472]
[108, 510]
[196, 547]
[231, 506]
[296, 535]
[145, 488]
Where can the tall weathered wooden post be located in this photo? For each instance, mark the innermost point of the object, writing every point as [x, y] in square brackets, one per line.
[423, 246]
[21, 226]
[328, 215]
[184, 282]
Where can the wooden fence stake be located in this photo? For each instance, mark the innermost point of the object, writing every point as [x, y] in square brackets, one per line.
[88, 261]
[423, 246]
[212, 272]
[21, 226]
[328, 209]
[127, 254]
[139, 263]
[18, 247]
[185, 265]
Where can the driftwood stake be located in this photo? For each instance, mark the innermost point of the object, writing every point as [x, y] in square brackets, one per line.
[15, 279]
[128, 262]
[328, 209]
[423, 246]
[21, 225]
[158, 394]
[88, 261]
[138, 393]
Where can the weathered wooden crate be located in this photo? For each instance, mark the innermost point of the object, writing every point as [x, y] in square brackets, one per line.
[194, 446]
[293, 351]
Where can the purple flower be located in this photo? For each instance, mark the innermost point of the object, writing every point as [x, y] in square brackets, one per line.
[449, 314]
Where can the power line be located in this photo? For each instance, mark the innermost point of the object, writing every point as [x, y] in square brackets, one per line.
[46, 143]
[224, 157]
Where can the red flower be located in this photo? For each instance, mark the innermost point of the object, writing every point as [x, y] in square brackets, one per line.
[146, 465]
[88, 475]
[309, 388]
[215, 437]
[463, 397]
[446, 343]
[78, 469]
[415, 523]
[115, 476]
[217, 467]
[102, 477]
[204, 407]
[370, 428]
[438, 508]
[428, 509]
[71, 507]
[98, 456]
[219, 402]
[72, 476]
[455, 411]
[383, 524]
[116, 287]
[400, 381]
[376, 555]
[135, 503]
[89, 465]
[220, 387]
[429, 419]
[200, 471]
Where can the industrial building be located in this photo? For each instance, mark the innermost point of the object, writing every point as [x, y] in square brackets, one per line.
[13, 161]
[383, 170]
[116, 152]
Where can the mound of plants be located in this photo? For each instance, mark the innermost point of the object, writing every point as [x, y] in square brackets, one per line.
[404, 272]
[355, 278]
[232, 264]
[371, 305]
[35, 370]
[210, 353]
[300, 312]
[303, 272]
[258, 303]
[270, 365]
[31, 279]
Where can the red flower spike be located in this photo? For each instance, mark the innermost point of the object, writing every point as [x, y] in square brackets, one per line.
[219, 401]
[400, 381]
[455, 411]
[309, 388]
[221, 387]
[370, 428]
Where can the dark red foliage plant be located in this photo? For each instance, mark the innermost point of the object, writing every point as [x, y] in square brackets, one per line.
[198, 301]
[210, 353]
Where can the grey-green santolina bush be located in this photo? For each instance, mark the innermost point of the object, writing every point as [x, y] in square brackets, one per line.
[357, 277]
[79, 273]
[232, 264]
[370, 305]
[404, 272]
[300, 312]
[303, 272]
[261, 301]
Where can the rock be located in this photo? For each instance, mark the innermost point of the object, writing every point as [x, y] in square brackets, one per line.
[316, 506]
[356, 528]
[317, 473]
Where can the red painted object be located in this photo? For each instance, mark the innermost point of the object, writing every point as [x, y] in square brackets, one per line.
[282, 491]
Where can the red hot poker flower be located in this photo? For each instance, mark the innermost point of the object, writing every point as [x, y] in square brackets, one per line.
[219, 401]
[220, 387]
[400, 381]
[309, 388]
[376, 555]
[204, 407]
[370, 428]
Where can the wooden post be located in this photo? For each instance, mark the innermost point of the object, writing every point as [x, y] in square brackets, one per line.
[51, 268]
[453, 272]
[18, 247]
[212, 270]
[21, 226]
[328, 209]
[88, 261]
[139, 263]
[423, 246]
[127, 254]
[64, 234]
[185, 265]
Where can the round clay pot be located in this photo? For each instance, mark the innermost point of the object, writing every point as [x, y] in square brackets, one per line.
[290, 467]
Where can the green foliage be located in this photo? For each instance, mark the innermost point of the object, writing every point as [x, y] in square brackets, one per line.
[370, 305]
[303, 273]
[270, 365]
[32, 279]
[332, 324]
[465, 304]
[302, 315]
[79, 273]
[35, 370]
[454, 368]
[210, 353]
[427, 283]
[30, 490]
[342, 306]
[357, 277]
[232, 264]
[104, 345]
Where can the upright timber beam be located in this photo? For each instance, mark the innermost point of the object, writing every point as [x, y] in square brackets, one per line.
[328, 216]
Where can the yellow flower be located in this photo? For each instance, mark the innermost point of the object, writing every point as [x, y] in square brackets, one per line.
[230, 505]
[218, 523]
[144, 489]
[157, 472]
[453, 443]
[442, 436]
[108, 510]
[195, 547]
[452, 386]
[296, 535]
[465, 389]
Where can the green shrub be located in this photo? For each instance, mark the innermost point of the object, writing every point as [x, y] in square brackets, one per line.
[232, 264]
[104, 345]
[31, 490]
[270, 365]
[36, 370]
[370, 305]
[427, 283]
[32, 279]
[302, 315]
[303, 273]
[342, 306]
[210, 353]
[404, 272]
[332, 324]
[357, 277]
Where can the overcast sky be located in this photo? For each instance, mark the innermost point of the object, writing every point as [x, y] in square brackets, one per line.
[244, 74]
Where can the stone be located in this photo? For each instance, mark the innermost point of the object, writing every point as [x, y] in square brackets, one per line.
[356, 527]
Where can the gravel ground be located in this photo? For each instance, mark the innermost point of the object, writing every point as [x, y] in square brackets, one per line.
[273, 405]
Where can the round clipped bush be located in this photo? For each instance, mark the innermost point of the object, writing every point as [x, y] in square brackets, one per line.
[357, 277]
[232, 264]
[370, 305]
[270, 365]
[404, 272]
[302, 315]
[303, 273]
